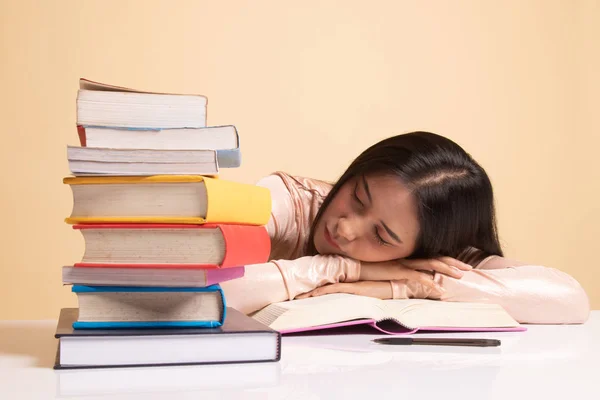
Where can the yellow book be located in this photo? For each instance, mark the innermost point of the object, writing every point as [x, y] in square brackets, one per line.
[175, 199]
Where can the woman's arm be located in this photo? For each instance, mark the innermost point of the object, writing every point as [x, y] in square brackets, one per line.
[530, 293]
[282, 280]
[295, 201]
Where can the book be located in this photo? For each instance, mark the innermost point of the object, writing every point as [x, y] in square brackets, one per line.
[174, 245]
[239, 340]
[223, 139]
[105, 161]
[100, 104]
[387, 316]
[149, 307]
[187, 199]
[148, 276]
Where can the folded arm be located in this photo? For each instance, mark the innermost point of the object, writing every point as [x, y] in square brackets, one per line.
[283, 280]
[530, 293]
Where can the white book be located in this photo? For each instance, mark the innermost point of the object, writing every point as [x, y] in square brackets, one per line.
[144, 162]
[100, 104]
[223, 139]
[240, 339]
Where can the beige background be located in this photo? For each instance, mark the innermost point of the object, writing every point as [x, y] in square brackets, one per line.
[309, 85]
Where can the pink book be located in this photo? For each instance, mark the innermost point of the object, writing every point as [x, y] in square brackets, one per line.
[391, 327]
[342, 312]
[143, 275]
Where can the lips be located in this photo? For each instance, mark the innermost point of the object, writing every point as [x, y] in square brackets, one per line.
[330, 240]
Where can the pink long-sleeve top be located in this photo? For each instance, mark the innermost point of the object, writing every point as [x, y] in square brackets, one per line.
[530, 293]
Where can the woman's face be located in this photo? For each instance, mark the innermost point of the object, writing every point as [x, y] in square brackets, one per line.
[371, 218]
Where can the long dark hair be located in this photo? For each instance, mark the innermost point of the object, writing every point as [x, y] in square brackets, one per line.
[454, 194]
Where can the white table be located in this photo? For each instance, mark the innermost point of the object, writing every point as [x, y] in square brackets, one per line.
[546, 362]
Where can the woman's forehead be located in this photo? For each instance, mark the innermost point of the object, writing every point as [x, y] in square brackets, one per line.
[392, 201]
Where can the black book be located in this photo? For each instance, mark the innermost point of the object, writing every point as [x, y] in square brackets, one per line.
[241, 339]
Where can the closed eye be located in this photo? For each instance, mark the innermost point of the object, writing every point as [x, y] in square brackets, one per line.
[378, 237]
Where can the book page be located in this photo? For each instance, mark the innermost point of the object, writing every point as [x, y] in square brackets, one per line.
[415, 313]
[322, 310]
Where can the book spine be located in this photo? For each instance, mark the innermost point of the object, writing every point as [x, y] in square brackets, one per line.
[229, 158]
[245, 244]
[82, 136]
[237, 203]
[214, 277]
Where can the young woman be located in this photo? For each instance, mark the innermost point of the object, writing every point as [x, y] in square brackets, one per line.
[412, 217]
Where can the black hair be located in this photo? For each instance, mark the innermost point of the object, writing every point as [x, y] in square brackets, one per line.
[454, 194]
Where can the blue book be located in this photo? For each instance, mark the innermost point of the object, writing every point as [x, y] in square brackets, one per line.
[114, 307]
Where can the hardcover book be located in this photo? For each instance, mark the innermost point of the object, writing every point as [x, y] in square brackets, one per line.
[240, 340]
[185, 199]
[113, 307]
[388, 316]
[174, 245]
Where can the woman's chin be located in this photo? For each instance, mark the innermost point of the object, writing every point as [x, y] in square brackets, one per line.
[319, 247]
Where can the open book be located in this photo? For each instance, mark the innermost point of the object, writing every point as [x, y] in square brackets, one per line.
[388, 316]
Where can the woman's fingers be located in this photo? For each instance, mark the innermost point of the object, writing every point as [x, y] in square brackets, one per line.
[424, 279]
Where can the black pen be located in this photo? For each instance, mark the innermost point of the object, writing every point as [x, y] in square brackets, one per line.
[438, 341]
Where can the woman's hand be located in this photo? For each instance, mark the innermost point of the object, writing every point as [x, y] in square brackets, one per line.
[380, 289]
[418, 270]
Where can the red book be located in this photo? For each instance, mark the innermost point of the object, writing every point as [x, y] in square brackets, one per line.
[173, 245]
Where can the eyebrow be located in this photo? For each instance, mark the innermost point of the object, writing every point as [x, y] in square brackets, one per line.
[387, 228]
[367, 188]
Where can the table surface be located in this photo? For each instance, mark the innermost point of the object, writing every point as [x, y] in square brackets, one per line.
[546, 362]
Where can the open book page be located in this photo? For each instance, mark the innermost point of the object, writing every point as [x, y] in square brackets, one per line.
[322, 310]
[415, 313]
[411, 313]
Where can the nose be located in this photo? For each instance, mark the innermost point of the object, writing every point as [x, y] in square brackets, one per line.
[347, 229]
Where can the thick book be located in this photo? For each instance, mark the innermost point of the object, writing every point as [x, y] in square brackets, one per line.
[387, 316]
[239, 340]
[100, 104]
[127, 162]
[119, 307]
[143, 275]
[223, 139]
[185, 199]
[173, 245]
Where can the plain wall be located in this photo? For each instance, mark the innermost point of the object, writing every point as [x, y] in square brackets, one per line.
[309, 85]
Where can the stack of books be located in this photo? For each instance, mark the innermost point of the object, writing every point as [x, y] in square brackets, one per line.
[161, 232]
